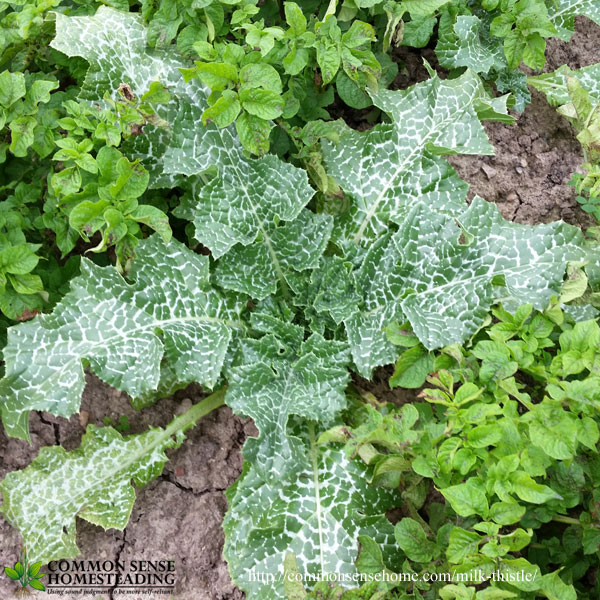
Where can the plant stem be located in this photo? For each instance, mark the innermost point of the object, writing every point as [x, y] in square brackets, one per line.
[196, 412]
[567, 520]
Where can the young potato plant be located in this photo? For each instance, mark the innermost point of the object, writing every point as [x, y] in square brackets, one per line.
[292, 292]
[507, 431]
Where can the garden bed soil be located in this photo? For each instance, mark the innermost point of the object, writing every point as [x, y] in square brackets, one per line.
[179, 516]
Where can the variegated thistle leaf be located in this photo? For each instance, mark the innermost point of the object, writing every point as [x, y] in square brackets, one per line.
[463, 46]
[92, 482]
[390, 167]
[563, 12]
[317, 516]
[442, 273]
[554, 85]
[124, 331]
[280, 375]
[252, 216]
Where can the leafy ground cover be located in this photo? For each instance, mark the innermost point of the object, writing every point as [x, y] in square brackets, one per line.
[274, 276]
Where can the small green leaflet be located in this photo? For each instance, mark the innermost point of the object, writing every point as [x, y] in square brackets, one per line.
[317, 516]
[442, 273]
[282, 375]
[554, 84]
[123, 331]
[390, 167]
[562, 13]
[92, 482]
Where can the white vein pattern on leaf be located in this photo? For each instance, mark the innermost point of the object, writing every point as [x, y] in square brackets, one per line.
[468, 50]
[563, 13]
[388, 168]
[101, 494]
[114, 43]
[554, 85]
[445, 288]
[318, 516]
[124, 330]
[310, 383]
[242, 202]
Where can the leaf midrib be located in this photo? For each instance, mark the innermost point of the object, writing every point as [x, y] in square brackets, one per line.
[417, 149]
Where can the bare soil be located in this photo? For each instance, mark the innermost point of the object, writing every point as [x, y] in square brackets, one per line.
[179, 516]
[535, 159]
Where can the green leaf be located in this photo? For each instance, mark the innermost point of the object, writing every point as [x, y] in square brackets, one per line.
[318, 515]
[34, 569]
[417, 32]
[359, 34]
[260, 75]
[37, 585]
[461, 544]
[67, 181]
[11, 573]
[413, 541]
[554, 430]
[124, 330]
[26, 283]
[506, 513]
[39, 92]
[216, 75]
[261, 103]
[529, 578]
[93, 482]
[467, 498]
[18, 260]
[12, 87]
[554, 588]
[484, 435]
[155, 218]
[329, 59]
[529, 490]
[423, 8]
[370, 557]
[22, 135]
[514, 47]
[295, 18]
[534, 54]
[119, 178]
[351, 93]
[224, 111]
[292, 582]
[412, 367]
[253, 133]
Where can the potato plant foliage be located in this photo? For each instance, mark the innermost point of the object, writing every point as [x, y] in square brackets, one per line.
[204, 218]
